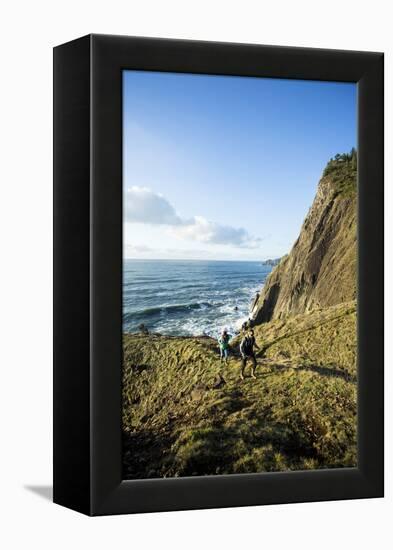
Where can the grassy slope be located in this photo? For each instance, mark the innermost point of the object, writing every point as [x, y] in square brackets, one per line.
[180, 419]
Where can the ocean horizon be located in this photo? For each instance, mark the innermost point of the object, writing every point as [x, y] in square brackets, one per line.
[189, 297]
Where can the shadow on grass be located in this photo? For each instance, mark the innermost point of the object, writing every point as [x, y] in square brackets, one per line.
[214, 447]
[145, 453]
[303, 330]
[330, 371]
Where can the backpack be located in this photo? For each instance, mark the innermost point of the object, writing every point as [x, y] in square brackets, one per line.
[247, 345]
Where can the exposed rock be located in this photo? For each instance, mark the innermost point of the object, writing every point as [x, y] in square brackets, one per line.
[320, 270]
[271, 262]
[218, 382]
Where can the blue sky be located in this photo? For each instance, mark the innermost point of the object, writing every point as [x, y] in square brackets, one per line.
[219, 167]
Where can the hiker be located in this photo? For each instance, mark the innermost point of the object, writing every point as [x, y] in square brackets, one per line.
[223, 342]
[244, 326]
[247, 352]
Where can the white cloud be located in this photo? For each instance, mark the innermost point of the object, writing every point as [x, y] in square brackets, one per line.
[200, 229]
[145, 206]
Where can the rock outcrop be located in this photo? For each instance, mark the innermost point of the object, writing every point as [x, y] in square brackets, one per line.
[320, 270]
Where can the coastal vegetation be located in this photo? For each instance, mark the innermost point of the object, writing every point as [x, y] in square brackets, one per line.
[342, 172]
[185, 413]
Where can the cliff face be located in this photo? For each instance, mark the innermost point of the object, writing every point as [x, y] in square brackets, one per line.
[320, 270]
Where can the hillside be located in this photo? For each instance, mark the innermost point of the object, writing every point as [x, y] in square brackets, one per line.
[187, 414]
[320, 270]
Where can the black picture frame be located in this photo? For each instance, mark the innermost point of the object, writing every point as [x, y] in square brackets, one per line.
[88, 274]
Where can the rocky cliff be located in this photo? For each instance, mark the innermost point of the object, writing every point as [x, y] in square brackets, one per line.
[320, 270]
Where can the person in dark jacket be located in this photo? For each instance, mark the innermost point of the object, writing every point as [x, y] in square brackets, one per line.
[247, 352]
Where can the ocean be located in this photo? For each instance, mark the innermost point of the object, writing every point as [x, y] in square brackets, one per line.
[189, 297]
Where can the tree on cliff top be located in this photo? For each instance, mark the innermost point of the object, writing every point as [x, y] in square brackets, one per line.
[342, 171]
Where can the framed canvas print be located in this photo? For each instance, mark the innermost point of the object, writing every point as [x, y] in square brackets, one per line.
[218, 275]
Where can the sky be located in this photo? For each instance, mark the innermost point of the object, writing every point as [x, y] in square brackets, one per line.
[222, 167]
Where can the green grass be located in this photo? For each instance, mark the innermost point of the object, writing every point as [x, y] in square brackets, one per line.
[342, 172]
[300, 412]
